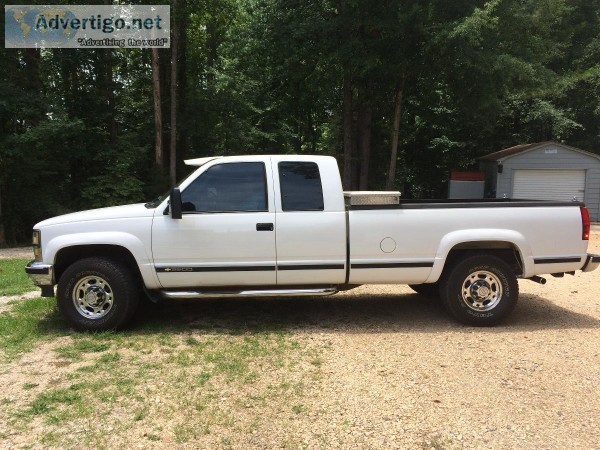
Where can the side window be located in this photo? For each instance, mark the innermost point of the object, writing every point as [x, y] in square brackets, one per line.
[228, 187]
[301, 188]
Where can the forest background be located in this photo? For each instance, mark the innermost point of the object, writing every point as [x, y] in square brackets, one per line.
[400, 91]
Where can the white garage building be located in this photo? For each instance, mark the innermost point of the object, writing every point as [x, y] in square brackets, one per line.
[544, 171]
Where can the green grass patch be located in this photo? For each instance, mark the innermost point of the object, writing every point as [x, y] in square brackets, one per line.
[79, 347]
[28, 322]
[48, 400]
[175, 366]
[13, 279]
[180, 376]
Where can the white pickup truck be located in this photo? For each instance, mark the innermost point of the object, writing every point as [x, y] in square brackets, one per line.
[282, 225]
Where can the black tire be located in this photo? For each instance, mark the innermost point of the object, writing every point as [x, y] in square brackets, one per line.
[428, 290]
[106, 281]
[462, 294]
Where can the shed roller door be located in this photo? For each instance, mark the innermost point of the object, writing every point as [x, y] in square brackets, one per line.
[559, 184]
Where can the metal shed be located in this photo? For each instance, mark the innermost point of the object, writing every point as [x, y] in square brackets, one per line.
[544, 171]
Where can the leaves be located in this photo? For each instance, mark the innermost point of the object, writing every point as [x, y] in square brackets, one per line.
[266, 76]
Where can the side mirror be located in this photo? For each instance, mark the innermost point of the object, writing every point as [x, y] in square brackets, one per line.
[175, 203]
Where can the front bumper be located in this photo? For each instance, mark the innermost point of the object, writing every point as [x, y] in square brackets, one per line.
[42, 275]
[591, 263]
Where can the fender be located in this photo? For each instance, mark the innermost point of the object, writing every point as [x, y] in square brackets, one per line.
[118, 238]
[454, 238]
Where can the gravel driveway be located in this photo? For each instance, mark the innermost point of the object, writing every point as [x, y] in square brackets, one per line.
[401, 374]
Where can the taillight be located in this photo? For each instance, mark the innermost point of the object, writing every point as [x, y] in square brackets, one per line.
[585, 224]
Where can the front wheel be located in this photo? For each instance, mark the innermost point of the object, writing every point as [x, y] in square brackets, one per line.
[481, 290]
[97, 294]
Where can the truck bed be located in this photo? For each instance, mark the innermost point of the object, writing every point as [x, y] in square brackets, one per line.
[365, 200]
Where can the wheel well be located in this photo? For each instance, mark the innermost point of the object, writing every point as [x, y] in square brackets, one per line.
[68, 255]
[506, 251]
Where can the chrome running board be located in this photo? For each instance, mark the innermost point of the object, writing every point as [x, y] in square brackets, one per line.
[249, 293]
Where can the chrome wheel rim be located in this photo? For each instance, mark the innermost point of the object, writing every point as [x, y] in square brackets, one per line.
[93, 297]
[481, 291]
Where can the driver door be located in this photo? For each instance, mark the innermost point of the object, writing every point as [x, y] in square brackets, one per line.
[226, 234]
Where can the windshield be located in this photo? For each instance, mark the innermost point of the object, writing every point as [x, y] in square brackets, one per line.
[158, 200]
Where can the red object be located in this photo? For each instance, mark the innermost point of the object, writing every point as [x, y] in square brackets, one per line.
[459, 175]
[585, 224]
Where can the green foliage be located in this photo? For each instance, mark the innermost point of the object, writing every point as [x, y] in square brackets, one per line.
[266, 76]
[13, 279]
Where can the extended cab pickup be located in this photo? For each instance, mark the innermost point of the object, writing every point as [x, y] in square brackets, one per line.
[282, 225]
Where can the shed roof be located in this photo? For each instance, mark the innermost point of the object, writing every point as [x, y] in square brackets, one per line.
[503, 154]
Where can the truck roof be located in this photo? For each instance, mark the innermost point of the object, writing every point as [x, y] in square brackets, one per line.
[200, 161]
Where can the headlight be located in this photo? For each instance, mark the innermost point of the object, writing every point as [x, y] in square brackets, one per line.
[36, 241]
[37, 238]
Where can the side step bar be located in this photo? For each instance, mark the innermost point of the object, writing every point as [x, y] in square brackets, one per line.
[248, 293]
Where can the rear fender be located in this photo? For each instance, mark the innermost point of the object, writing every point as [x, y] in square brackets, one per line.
[451, 240]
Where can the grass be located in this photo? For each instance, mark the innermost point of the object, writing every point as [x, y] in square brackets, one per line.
[174, 378]
[48, 400]
[75, 350]
[26, 324]
[437, 442]
[179, 381]
[13, 279]
[198, 385]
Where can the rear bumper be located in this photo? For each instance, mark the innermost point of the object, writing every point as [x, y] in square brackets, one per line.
[42, 275]
[591, 263]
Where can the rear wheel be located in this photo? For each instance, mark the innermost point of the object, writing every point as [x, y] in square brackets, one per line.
[97, 294]
[428, 290]
[481, 290]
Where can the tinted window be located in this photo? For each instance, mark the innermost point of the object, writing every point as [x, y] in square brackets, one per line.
[301, 188]
[228, 187]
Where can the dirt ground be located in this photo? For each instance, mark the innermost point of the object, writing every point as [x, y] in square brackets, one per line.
[16, 252]
[397, 372]
[402, 375]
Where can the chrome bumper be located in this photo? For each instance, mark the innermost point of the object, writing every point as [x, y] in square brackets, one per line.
[41, 274]
[591, 263]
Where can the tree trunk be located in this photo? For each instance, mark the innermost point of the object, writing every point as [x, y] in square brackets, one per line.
[391, 181]
[347, 94]
[109, 94]
[347, 107]
[2, 237]
[32, 83]
[32, 57]
[158, 132]
[109, 90]
[173, 136]
[365, 117]
[182, 138]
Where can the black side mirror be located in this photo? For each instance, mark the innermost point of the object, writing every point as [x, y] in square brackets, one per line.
[175, 203]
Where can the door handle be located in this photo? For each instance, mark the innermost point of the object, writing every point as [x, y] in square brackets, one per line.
[264, 227]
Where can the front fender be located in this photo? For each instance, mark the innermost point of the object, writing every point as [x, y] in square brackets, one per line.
[126, 240]
[451, 240]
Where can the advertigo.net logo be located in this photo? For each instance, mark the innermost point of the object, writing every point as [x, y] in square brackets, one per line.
[90, 26]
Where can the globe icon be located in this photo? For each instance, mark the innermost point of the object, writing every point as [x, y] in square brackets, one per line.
[25, 26]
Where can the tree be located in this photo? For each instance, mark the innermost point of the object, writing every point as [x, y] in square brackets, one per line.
[400, 91]
[173, 135]
[391, 179]
[156, 95]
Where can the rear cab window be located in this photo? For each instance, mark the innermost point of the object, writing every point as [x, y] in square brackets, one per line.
[301, 188]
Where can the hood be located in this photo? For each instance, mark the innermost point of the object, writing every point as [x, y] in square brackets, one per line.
[113, 212]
